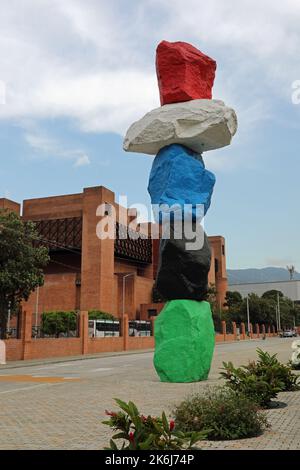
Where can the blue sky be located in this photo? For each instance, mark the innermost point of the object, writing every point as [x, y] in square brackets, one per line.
[78, 73]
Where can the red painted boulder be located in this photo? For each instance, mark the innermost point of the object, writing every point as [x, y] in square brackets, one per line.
[184, 73]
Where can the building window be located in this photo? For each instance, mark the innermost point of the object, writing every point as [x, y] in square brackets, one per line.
[223, 250]
[216, 265]
[152, 313]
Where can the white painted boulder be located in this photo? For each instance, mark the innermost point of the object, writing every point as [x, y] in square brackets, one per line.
[295, 359]
[2, 353]
[200, 125]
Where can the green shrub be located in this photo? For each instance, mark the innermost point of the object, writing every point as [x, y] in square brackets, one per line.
[139, 432]
[257, 389]
[99, 315]
[223, 413]
[268, 364]
[262, 380]
[57, 322]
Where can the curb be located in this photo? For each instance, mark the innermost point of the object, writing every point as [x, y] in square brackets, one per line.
[57, 360]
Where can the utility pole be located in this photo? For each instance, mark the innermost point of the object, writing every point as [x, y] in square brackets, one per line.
[278, 307]
[37, 311]
[276, 318]
[248, 314]
[8, 317]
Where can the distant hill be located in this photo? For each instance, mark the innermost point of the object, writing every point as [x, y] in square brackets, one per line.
[245, 276]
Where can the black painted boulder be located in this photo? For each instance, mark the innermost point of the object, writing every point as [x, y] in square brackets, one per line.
[183, 270]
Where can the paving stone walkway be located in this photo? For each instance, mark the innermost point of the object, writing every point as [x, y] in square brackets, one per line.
[42, 412]
[284, 433]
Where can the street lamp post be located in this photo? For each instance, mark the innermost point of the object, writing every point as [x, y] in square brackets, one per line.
[248, 314]
[278, 308]
[8, 317]
[37, 311]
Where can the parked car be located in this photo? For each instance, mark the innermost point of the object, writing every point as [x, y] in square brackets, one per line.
[288, 334]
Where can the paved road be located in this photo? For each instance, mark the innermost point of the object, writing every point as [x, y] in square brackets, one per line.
[61, 406]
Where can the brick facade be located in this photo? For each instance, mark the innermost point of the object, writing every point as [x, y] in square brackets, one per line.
[87, 273]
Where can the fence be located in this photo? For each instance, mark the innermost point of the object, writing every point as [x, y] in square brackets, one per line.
[104, 328]
[127, 335]
[55, 325]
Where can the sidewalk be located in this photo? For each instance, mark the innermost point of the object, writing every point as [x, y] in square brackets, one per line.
[57, 360]
[284, 433]
[38, 411]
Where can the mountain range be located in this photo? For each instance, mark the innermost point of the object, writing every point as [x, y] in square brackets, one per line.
[270, 274]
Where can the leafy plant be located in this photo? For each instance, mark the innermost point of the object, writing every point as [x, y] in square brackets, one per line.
[139, 432]
[281, 372]
[224, 413]
[262, 380]
[55, 323]
[242, 381]
[99, 315]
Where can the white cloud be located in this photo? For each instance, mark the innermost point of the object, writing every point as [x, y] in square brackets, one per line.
[45, 146]
[94, 60]
[83, 160]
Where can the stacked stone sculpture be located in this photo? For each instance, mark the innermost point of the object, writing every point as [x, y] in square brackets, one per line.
[188, 123]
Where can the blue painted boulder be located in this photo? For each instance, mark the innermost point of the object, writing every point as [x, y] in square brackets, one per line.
[178, 178]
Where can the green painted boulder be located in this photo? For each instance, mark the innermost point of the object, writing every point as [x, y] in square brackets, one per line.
[184, 341]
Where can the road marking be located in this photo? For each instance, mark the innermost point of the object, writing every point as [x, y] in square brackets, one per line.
[23, 388]
[30, 378]
[101, 369]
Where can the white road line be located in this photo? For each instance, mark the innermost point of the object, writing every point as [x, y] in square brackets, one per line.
[101, 369]
[41, 376]
[24, 388]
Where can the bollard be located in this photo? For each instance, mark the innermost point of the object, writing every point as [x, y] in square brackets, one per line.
[2, 353]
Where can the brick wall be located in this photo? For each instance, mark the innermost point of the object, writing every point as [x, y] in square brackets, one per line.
[58, 347]
[146, 342]
[9, 205]
[99, 345]
[143, 293]
[14, 350]
[151, 306]
[53, 207]
[28, 348]
[58, 293]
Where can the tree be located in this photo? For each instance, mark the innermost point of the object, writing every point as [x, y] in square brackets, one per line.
[272, 294]
[233, 299]
[263, 309]
[21, 263]
[211, 297]
[217, 314]
[55, 323]
[99, 315]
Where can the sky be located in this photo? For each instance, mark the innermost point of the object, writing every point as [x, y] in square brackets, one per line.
[75, 74]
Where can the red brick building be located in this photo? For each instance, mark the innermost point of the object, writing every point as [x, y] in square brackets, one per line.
[87, 273]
